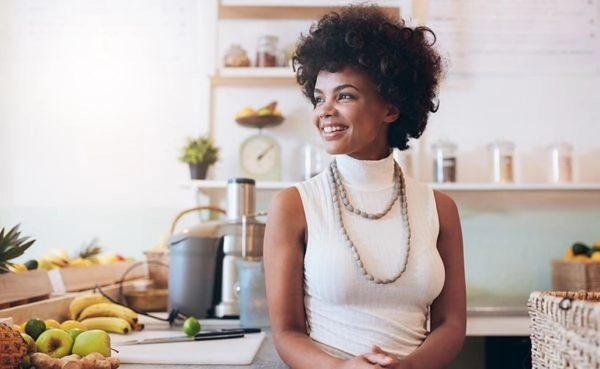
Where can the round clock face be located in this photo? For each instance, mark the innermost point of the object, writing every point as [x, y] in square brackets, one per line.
[260, 157]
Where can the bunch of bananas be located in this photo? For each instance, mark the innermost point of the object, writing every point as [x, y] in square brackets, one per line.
[96, 311]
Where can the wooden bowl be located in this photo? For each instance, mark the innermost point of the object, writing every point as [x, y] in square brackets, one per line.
[260, 121]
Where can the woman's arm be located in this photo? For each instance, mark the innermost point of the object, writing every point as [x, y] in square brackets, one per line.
[284, 243]
[449, 310]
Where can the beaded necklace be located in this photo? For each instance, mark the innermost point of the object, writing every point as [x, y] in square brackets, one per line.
[399, 193]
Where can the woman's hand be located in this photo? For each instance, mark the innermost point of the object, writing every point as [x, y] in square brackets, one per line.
[381, 358]
[360, 362]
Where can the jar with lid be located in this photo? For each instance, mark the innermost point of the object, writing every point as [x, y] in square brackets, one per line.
[560, 163]
[236, 57]
[502, 154]
[444, 164]
[266, 52]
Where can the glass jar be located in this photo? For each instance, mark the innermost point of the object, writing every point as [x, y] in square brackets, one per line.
[236, 57]
[561, 163]
[501, 153]
[314, 160]
[444, 163]
[266, 52]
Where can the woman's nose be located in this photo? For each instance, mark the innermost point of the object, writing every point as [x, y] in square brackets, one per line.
[326, 110]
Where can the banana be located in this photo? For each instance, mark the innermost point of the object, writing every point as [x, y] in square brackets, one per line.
[109, 309]
[80, 302]
[108, 324]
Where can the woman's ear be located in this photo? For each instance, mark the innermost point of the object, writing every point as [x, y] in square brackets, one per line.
[392, 114]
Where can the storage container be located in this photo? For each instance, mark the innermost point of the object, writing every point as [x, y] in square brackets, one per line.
[565, 329]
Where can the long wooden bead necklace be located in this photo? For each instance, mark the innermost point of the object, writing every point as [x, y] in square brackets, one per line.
[399, 193]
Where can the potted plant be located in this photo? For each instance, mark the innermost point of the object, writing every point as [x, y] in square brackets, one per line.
[199, 153]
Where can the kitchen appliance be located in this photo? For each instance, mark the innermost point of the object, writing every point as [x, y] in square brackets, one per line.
[242, 231]
[195, 259]
[203, 272]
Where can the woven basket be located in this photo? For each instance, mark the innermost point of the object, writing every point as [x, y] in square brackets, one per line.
[565, 330]
[568, 275]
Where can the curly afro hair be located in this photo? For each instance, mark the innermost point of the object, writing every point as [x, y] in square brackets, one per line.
[400, 60]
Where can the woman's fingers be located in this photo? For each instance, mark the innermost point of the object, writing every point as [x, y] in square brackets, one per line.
[378, 358]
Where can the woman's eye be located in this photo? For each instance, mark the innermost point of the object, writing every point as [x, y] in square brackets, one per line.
[344, 96]
[317, 100]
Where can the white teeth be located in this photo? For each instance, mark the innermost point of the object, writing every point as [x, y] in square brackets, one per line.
[330, 129]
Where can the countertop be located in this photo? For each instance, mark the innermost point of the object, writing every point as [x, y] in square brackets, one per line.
[509, 320]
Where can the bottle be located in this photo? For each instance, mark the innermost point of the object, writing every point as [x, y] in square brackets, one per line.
[501, 153]
[444, 165]
[266, 52]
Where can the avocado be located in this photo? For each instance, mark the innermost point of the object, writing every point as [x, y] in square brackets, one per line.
[580, 248]
[31, 264]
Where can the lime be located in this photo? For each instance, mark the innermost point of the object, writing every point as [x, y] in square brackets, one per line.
[191, 326]
[34, 327]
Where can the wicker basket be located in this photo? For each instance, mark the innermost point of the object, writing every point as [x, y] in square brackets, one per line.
[565, 330]
[568, 275]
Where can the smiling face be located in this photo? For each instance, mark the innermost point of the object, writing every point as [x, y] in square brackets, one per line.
[351, 116]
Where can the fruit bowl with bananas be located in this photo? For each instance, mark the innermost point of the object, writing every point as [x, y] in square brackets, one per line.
[265, 116]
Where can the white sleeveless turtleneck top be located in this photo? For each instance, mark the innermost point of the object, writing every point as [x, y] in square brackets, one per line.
[346, 313]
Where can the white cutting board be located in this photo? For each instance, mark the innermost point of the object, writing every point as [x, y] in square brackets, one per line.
[234, 351]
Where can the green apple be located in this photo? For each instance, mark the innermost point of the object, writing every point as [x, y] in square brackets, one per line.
[30, 342]
[54, 342]
[93, 340]
[74, 332]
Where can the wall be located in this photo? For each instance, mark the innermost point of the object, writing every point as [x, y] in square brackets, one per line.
[96, 98]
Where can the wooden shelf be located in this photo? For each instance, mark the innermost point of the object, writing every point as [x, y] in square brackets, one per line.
[253, 76]
[277, 10]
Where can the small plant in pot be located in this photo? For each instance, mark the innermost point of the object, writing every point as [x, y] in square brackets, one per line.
[200, 153]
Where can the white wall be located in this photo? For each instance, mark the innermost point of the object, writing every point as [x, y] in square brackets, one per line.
[97, 97]
[95, 100]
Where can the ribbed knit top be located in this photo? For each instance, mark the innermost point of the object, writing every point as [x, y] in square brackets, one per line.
[345, 311]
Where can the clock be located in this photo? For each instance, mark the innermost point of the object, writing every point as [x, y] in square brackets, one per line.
[260, 157]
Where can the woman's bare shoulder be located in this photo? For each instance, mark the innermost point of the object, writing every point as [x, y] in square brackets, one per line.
[286, 202]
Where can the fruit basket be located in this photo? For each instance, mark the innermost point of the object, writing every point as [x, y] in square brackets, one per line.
[564, 329]
[23, 287]
[260, 121]
[572, 275]
[79, 278]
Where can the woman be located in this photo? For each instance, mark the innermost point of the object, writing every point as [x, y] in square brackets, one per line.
[364, 266]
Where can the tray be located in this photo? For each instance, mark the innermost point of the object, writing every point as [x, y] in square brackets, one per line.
[260, 121]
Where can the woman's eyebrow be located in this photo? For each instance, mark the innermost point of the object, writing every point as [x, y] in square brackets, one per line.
[340, 87]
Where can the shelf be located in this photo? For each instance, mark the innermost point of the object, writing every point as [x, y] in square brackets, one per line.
[446, 187]
[470, 196]
[277, 10]
[253, 76]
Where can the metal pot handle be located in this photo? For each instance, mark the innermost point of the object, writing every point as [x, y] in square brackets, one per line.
[215, 209]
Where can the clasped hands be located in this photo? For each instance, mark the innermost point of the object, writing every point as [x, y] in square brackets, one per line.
[377, 358]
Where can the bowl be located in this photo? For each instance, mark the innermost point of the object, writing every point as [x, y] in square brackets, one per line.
[260, 121]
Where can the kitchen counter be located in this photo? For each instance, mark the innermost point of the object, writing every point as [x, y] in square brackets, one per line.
[481, 321]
